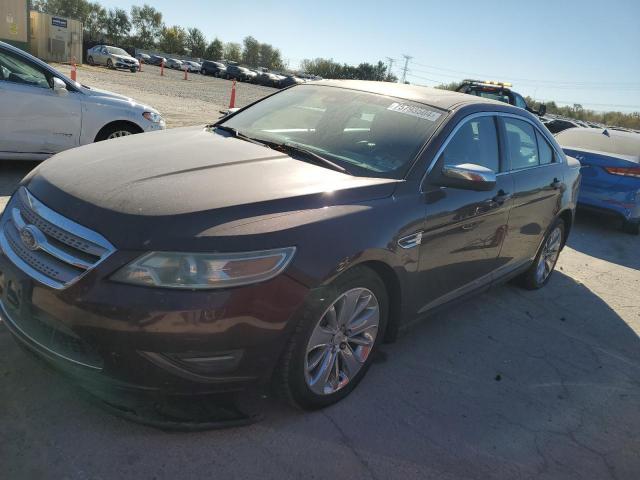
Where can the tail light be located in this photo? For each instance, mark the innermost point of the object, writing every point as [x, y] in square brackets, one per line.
[624, 171]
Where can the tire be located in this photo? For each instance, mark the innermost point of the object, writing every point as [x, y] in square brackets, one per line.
[116, 130]
[90, 60]
[631, 227]
[109, 64]
[535, 277]
[295, 375]
[133, 70]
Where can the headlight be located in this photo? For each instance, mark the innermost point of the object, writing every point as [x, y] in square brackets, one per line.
[153, 117]
[204, 270]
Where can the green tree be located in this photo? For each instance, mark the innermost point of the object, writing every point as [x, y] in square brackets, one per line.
[196, 43]
[215, 50]
[77, 9]
[118, 25]
[173, 40]
[147, 22]
[95, 22]
[233, 52]
[251, 51]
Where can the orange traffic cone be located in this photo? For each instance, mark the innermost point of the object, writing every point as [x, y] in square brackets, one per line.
[74, 70]
[232, 102]
[140, 65]
[185, 72]
[162, 68]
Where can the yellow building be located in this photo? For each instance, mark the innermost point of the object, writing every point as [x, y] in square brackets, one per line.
[54, 38]
[14, 22]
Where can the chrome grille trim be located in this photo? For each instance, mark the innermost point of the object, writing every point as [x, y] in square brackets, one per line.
[65, 251]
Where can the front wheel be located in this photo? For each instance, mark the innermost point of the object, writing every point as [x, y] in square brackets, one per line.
[90, 60]
[109, 64]
[542, 267]
[340, 329]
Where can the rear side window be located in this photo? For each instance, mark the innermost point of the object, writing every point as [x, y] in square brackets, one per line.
[522, 148]
[476, 142]
[544, 150]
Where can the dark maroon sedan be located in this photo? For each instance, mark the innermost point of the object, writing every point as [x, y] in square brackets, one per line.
[283, 243]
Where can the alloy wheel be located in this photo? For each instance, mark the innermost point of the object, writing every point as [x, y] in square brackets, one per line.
[118, 134]
[342, 341]
[549, 255]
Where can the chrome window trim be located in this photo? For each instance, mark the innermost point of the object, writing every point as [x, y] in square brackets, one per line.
[434, 160]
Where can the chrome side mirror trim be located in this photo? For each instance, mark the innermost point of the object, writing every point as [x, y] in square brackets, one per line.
[59, 86]
[469, 172]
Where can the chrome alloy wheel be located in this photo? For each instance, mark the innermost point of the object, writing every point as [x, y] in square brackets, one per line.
[549, 255]
[342, 341]
[118, 134]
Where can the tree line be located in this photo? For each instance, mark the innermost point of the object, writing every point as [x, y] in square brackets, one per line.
[143, 27]
[576, 111]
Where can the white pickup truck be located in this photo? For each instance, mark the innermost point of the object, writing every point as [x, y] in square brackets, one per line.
[42, 112]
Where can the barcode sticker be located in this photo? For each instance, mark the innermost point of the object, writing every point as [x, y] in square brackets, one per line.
[414, 111]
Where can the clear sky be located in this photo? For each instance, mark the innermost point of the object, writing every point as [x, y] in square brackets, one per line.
[571, 51]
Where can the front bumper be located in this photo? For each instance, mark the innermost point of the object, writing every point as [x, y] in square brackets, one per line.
[120, 64]
[156, 340]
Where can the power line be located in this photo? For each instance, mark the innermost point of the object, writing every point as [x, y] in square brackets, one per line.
[406, 67]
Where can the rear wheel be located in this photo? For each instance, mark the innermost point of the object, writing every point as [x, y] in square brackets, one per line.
[335, 340]
[540, 271]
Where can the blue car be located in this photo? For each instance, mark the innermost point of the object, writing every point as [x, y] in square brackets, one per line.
[610, 171]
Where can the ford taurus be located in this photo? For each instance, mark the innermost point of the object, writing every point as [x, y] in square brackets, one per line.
[282, 244]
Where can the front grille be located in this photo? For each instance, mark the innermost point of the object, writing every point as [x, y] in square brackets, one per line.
[47, 246]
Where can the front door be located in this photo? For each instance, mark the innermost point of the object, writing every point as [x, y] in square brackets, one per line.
[33, 118]
[464, 229]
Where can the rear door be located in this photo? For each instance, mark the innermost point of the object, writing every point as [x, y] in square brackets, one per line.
[33, 118]
[464, 229]
[538, 185]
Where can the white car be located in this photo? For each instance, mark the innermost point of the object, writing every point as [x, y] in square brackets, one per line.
[112, 57]
[42, 112]
[192, 67]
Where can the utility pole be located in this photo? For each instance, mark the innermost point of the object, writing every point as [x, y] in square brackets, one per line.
[405, 69]
[391, 60]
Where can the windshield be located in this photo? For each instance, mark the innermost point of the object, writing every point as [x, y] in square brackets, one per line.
[117, 51]
[368, 134]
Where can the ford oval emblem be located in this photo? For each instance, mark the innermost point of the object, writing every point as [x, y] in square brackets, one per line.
[29, 236]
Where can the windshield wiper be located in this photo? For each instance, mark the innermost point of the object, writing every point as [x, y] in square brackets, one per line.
[310, 154]
[236, 133]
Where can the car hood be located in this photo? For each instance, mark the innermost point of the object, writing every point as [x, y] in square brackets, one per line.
[123, 57]
[148, 189]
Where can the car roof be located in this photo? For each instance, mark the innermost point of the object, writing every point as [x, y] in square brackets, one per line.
[444, 99]
[603, 140]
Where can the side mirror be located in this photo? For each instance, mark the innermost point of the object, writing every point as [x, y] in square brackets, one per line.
[59, 86]
[468, 176]
[542, 110]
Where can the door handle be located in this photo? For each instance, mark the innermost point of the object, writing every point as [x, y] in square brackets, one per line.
[501, 197]
[556, 184]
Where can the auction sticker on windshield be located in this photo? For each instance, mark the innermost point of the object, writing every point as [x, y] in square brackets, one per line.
[414, 111]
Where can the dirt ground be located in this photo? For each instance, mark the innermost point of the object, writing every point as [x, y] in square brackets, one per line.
[195, 101]
[512, 384]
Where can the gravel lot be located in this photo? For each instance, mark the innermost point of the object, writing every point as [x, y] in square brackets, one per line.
[195, 101]
[509, 385]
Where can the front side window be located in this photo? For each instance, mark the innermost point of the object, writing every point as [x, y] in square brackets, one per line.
[15, 69]
[476, 142]
[368, 134]
[520, 102]
[522, 149]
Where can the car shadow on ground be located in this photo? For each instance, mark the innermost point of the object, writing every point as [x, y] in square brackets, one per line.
[620, 248]
[11, 173]
[511, 384]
